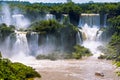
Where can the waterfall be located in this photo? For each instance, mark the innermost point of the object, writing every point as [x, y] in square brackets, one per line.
[6, 15]
[5, 47]
[20, 47]
[49, 16]
[64, 18]
[90, 29]
[89, 19]
[48, 46]
[20, 21]
[79, 37]
[33, 45]
[105, 19]
[91, 42]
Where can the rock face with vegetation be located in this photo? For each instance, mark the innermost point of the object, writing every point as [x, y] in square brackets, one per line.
[113, 30]
[112, 50]
[15, 71]
[60, 35]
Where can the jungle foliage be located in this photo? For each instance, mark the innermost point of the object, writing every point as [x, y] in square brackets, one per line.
[15, 71]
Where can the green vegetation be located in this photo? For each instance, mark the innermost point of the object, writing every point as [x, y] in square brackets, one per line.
[51, 26]
[5, 29]
[113, 49]
[53, 56]
[65, 32]
[33, 11]
[102, 57]
[115, 46]
[118, 65]
[80, 51]
[15, 71]
[46, 26]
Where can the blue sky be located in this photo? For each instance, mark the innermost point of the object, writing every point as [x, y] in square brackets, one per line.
[76, 1]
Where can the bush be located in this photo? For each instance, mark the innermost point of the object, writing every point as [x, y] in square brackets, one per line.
[48, 26]
[117, 63]
[5, 29]
[118, 73]
[55, 56]
[80, 51]
[113, 48]
[52, 56]
[102, 57]
[16, 71]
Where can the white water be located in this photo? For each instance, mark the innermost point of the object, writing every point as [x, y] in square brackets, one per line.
[33, 44]
[13, 17]
[91, 42]
[63, 17]
[5, 47]
[20, 48]
[105, 19]
[90, 32]
[20, 21]
[79, 38]
[48, 46]
[6, 15]
[49, 16]
[90, 19]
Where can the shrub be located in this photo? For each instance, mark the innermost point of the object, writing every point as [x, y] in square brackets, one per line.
[48, 26]
[80, 51]
[117, 63]
[102, 57]
[15, 71]
[52, 56]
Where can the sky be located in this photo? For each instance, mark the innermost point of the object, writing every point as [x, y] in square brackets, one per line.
[76, 1]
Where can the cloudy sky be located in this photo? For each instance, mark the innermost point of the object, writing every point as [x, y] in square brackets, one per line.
[76, 1]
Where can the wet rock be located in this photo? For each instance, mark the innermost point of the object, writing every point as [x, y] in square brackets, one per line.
[99, 74]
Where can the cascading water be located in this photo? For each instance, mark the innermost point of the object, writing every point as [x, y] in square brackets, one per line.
[89, 24]
[19, 20]
[5, 47]
[63, 18]
[20, 48]
[79, 37]
[48, 46]
[33, 43]
[90, 19]
[6, 15]
[105, 19]
[49, 16]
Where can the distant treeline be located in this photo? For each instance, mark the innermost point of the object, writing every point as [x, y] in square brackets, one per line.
[74, 10]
